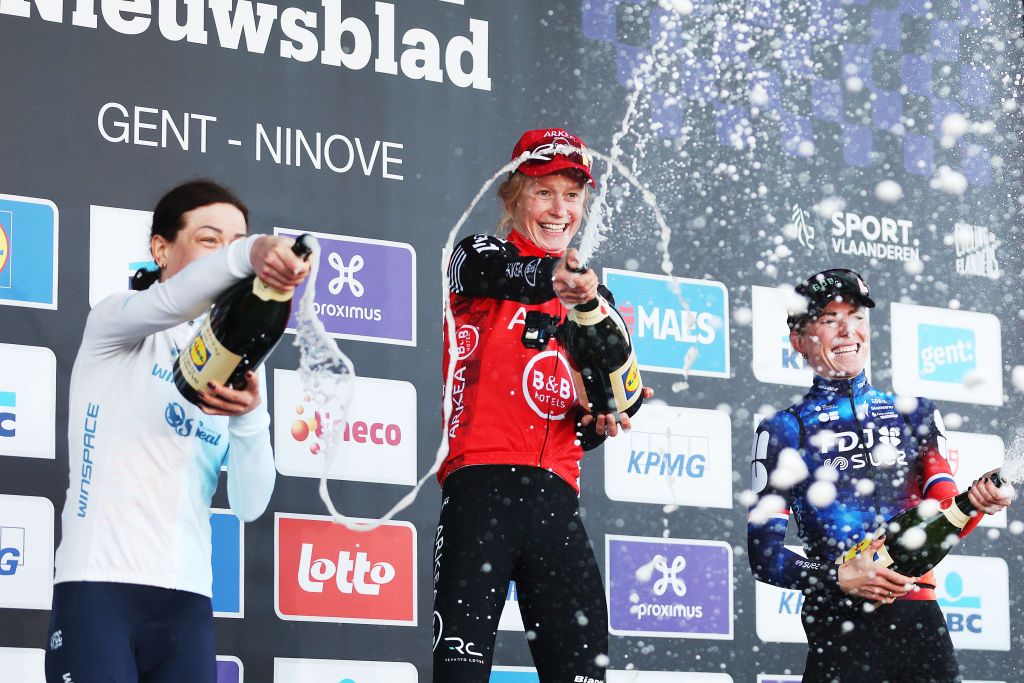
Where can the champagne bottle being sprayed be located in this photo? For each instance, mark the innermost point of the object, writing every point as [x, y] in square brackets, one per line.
[242, 328]
[940, 527]
[598, 345]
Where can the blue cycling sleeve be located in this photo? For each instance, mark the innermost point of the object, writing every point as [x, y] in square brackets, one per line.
[770, 560]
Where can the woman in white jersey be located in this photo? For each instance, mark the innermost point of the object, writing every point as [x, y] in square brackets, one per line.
[133, 582]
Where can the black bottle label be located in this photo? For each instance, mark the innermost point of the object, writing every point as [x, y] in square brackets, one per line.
[207, 360]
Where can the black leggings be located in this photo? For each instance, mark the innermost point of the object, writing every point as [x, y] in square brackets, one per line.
[501, 523]
[906, 642]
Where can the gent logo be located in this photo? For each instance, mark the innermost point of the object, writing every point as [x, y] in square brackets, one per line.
[946, 354]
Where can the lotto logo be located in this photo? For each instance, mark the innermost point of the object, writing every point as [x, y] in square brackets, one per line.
[326, 572]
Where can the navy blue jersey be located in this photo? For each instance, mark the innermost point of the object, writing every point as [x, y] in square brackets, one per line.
[884, 461]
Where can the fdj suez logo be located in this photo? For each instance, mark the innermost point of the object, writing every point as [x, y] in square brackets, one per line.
[676, 325]
[945, 354]
[8, 402]
[12, 550]
[175, 416]
[849, 451]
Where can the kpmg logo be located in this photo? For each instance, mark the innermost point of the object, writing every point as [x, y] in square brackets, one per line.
[377, 442]
[673, 456]
[365, 289]
[684, 332]
[28, 396]
[973, 593]
[327, 572]
[670, 588]
[946, 353]
[12, 550]
[28, 252]
[227, 534]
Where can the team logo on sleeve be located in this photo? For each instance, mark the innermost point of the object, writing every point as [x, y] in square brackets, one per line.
[467, 338]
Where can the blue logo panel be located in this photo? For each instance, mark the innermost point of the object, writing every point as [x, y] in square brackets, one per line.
[685, 332]
[229, 670]
[514, 677]
[28, 252]
[227, 564]
[945, 354]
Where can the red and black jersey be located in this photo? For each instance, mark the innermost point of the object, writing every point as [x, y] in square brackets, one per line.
[511, 405]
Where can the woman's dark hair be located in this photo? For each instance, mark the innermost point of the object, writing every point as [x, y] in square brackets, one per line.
[175, 204]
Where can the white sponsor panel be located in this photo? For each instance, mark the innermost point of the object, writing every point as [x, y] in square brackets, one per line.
[775, 360]
[778, 678]
[118, 246]
[287, 670]
[946, 354]
[22, 664]
[378, 443]
[972, 455]
[778, 611]
[672, 455]
[667, 677]
[26, 552]
[974, 595]
[28, 401]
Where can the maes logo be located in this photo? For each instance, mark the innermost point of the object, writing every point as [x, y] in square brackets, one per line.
[28, 252]
[12, 550]
[8, 402]
[946, 354]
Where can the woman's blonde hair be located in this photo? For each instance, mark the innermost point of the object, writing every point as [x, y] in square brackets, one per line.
[513, 188]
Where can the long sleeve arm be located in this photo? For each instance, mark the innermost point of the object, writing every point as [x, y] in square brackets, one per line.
[770, 560]
[937, 480]
[250, 460]
[484, 265]
[127, 318]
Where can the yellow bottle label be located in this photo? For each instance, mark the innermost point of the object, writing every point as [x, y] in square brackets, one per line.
[955, 515]
[882, 556]
[626, 384]
[267, 293]
[206, 360]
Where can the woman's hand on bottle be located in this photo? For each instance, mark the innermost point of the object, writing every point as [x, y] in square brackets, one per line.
[219, 399]
[862, 578]
[986, 496]
[608, 424]
[276, 264]
[570, 287]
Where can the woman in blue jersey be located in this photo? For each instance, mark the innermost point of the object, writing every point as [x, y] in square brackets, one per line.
[883, 456]
[133, 582]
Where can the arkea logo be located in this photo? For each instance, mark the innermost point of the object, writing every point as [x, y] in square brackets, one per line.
[326, 572]
[26, 552]
[377, 443]
[684, 332]
[973, 593]
[946, 354]
[228, 541]
[365, 290]
[672, 456]
[342, 671]
[28, 396]
[28, 252]
[687, 596]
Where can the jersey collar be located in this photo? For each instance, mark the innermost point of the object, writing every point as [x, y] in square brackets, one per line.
[856, 385]
[528, 248]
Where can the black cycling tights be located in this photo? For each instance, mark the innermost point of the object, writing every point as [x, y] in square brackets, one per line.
[501, 523]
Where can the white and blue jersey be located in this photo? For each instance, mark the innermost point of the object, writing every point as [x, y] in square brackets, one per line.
[144, 462]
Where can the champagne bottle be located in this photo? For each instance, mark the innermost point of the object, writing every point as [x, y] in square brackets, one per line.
[941, 532]
[242, 328]
[600, 352]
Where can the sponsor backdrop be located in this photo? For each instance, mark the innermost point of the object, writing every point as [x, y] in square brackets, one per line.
[778, 138]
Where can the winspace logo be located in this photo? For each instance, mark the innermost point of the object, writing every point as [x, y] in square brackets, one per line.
[365, 289]
[376, 444]
[327, 572]
[118, 246]
[228, 540]
[973, 593]
[28, 252]
[26, 552]
[946, 353]
[28, 401]
[676, 456]
[778, 611]
[342, 671]
[682, 332]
